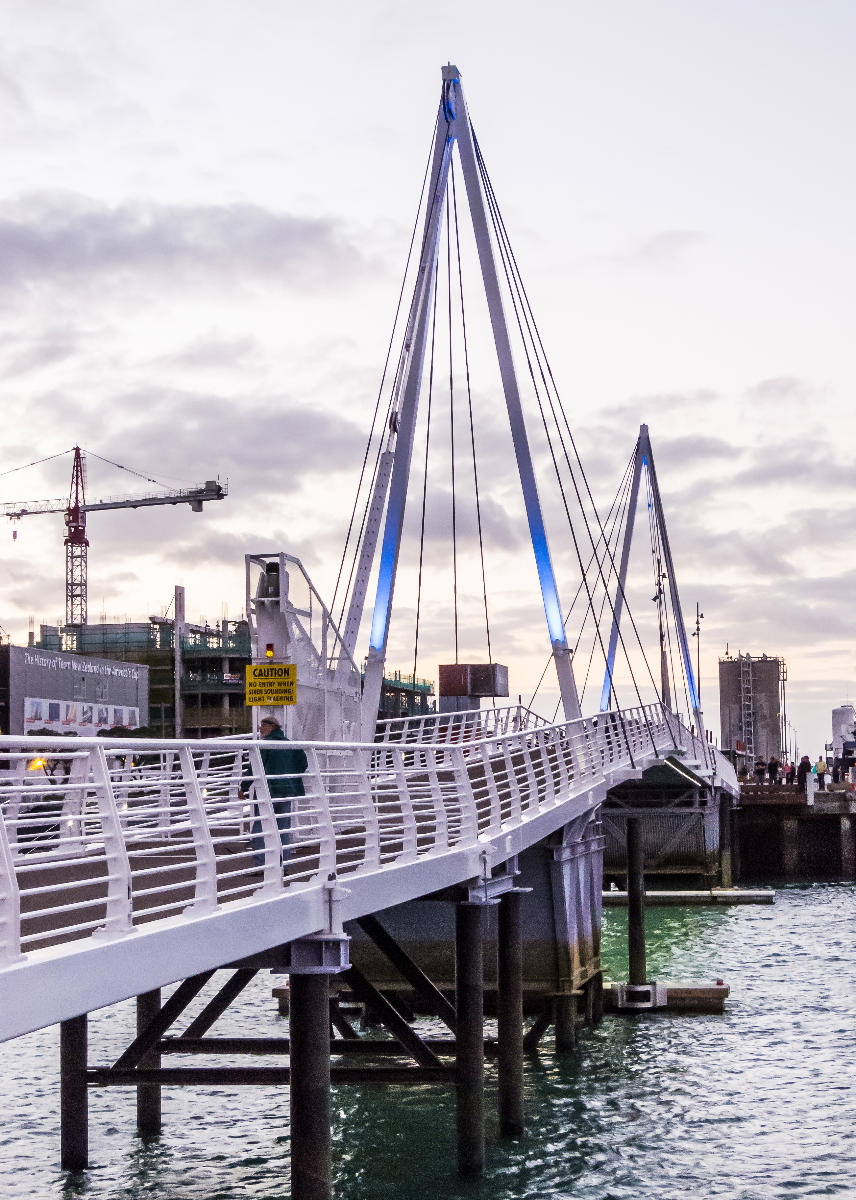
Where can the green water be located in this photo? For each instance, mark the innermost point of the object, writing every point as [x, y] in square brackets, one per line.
[756, 1104]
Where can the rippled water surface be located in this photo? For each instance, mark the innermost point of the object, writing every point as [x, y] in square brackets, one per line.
[754, 1105]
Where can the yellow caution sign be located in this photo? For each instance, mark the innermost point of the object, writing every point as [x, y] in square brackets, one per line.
[271, 683]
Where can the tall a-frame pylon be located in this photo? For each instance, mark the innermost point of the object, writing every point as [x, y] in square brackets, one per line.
[390, 490]
[644, 459]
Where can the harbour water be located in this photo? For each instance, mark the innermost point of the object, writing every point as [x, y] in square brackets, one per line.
[756, 1104]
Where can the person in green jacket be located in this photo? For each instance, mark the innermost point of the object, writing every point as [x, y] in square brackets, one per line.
[283, 767]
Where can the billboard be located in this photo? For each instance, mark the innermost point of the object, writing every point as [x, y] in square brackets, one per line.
[77, 716]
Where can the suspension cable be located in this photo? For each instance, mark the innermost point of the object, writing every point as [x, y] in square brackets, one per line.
[620, 491]
[537, 342]
[37, 462]
[380, 393]
[425, 475]
[472, 425]
[452, 425]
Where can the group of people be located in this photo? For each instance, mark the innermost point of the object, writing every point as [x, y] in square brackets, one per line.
[774, 772]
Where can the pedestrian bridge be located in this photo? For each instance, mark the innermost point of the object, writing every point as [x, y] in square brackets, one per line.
[127, 865]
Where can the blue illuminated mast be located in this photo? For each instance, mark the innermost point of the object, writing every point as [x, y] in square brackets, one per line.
[644, 457]
[454, 127]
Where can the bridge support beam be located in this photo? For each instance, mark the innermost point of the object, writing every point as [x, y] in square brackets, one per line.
[311, 963]
[74, 1104]
[635, 902]
[726, 869]
[148, 1094]
[469, 1004]
[509, 1011]
[311, 1155]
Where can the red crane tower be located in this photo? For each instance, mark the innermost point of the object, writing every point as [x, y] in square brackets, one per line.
[77, 543]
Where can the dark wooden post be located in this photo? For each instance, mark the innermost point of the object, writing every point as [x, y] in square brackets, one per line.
[509, 1011]
[726, 873]
[635, 902]
[469, 1002]
[148, 1094]
[565, 1020]
[790, 846]
[311, 1143]
[74, 1108]
[848, 850]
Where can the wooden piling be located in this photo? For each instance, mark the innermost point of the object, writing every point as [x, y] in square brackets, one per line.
[311, 1143]
[509, 1012]
[636, 902]
[74, 1106]
[148, 1094]
[469, 1066]
[848, 850]
[726, 872]
[565, 1021]
[790, 846]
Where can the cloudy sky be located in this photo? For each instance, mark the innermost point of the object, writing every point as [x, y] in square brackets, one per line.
[205, 210]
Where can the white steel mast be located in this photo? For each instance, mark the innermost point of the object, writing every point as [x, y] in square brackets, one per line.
[453, 126]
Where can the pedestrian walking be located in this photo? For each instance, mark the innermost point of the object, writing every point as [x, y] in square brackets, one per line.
[773, 771]
[821, 769]
[283, 767]
[802, 771]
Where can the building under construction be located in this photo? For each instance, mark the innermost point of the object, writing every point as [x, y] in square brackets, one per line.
[752, 709]
[196, 672]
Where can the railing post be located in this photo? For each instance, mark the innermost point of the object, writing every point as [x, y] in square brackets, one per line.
[205, 895]
[493, 794]
[540, 737]
[408, 817]
[467, 809]
[10, 902]
[261, 798]
[514, 798]
[362, 770]
[441, 821]
[119, 915]
[71, 817]
[326, 832]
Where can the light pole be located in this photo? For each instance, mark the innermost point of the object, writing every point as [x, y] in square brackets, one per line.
[699, 617]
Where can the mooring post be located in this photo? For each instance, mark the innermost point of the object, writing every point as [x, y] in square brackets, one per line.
[309, 1030]
[726, 872]
[74, 1108]
[310, 963]
[635, 902]
[469, 1067]
[565, 1021]
[595, 995]
[848, 850]
[148, 1094]
[509, 1012]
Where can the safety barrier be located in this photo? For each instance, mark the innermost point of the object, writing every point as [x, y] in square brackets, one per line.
[100, 836]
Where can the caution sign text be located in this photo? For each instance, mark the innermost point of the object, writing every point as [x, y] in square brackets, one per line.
[271, 683]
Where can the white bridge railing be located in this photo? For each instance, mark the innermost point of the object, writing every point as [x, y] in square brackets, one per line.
[100, 836]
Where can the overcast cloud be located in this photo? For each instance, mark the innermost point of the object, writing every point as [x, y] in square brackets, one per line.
[203, 227]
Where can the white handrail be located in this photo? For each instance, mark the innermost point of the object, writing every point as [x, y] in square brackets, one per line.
[165, 818]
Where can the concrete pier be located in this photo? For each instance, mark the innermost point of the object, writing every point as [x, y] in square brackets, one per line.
[509, 1012]
[469, 1076]
[74, 1101]
[148, 1094]
[309, 1031]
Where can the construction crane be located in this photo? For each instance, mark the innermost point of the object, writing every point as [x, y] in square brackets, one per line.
[75, 509]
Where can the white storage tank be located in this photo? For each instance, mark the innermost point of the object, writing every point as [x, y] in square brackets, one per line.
[843, 722]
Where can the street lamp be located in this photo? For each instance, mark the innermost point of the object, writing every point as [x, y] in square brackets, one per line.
[699, 617]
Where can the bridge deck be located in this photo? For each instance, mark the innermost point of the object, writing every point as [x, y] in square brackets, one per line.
[127, 865]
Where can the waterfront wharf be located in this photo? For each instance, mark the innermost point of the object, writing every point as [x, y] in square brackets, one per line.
[463, 847]
[784, 832]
